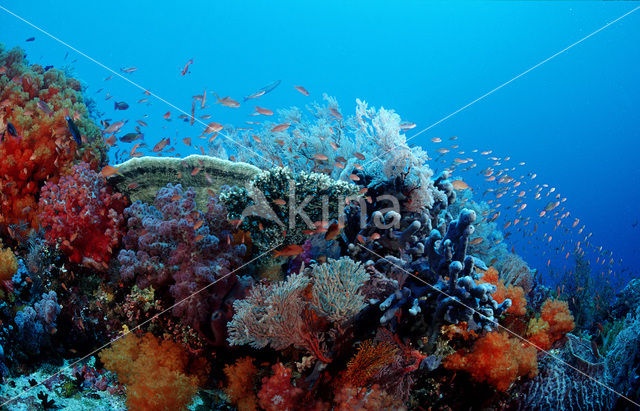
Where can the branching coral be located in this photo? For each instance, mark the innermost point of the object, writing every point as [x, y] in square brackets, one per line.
[497, 359]
[278, 206]
[176, 248]
[36, 103]
[369, 143]
[154, 371]
[80, 214]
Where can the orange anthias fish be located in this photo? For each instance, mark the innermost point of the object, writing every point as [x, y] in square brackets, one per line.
[114, 128]
[213, 127]
[289, 251]
[185, 70]
[460, 185]
[161, 145]
[108, 171]
[167, 115]
[228, 101]
[264, 111]
[333, 231]
[302, 90]
[280, 127]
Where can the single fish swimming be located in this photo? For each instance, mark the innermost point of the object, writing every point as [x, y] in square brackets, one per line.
[264, 90]
[74, 130]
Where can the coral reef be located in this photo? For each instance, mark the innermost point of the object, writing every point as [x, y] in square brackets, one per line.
[390, 288]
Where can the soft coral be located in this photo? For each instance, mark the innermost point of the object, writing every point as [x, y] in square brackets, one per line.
[496, 358]
[82, 216]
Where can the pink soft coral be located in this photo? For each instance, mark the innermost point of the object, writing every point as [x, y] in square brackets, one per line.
[82, 216]
[277, 392]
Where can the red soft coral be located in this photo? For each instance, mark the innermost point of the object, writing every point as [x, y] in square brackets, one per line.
[82, 216]
[36, 103]
[497, 359]
[277, 392]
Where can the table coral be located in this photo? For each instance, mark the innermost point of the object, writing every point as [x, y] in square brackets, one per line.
[36, 103]
[81, 215]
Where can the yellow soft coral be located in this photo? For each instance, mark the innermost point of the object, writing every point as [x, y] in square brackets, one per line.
[8, 264]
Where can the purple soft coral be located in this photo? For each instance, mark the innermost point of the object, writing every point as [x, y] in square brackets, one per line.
[174, 245]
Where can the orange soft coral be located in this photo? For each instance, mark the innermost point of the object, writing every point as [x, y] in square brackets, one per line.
[555, 321]
[153, 370]
[496, 359]
[36, 103]
[241, 377]
[515, 293]
[8, 264]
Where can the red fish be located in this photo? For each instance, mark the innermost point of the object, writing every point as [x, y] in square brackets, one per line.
[289, 251]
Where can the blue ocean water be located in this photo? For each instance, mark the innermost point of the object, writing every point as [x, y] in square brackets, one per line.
[573, 120]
